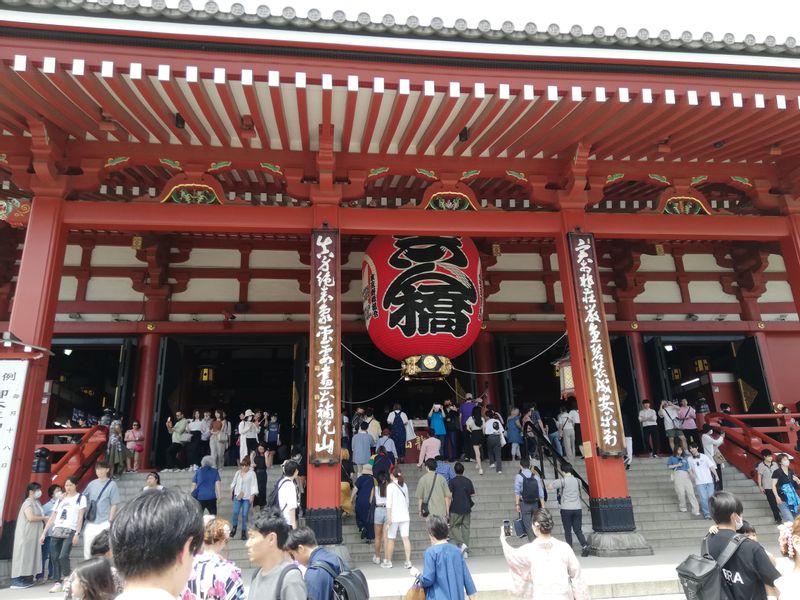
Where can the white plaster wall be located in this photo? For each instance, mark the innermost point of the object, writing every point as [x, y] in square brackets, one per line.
[275, 290]
[111, 288]
[709, 291]
[219, 290]
[777, 291]
[521, 291]
[354, 260]
[271, 259]
[72, 256]
[211, 257]
[68, 288]
[657, 264]
[701, 262]
[776, 264]
[115, 256]
[660, 291]
[518, 262]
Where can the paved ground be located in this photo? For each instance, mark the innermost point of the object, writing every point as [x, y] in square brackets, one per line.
[643, 576]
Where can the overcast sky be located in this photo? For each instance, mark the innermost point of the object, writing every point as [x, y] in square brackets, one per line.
[780, 18]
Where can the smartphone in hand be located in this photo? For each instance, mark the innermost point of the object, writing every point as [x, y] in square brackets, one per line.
[507, 527]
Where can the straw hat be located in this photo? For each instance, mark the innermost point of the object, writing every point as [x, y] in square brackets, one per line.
[367, 469]
[248, 413]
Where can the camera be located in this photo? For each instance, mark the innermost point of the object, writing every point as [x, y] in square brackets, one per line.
[507, 527]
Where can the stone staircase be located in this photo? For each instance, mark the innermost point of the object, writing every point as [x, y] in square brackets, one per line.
[655, 508]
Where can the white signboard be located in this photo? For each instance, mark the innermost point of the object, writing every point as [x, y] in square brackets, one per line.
[12, 384]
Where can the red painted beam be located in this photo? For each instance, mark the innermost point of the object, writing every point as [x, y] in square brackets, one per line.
[669, 227]
[396, 112]
[148, 91]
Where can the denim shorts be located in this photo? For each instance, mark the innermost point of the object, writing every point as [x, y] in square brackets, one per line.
[380, 515]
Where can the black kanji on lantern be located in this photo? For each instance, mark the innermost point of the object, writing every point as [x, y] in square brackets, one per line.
[431, 294]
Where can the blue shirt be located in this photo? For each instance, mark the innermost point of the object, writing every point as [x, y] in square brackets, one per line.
[518, 482]
[319, 583]
[437, 423]
[445, 469]
[273, 432]
[683, 461]
[205, 478]
[445, 575]
[362, 444]
[515, 430]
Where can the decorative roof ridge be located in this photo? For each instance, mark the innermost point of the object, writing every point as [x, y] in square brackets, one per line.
[508, 32]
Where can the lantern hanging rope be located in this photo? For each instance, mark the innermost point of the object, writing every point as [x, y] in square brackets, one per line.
[460, 397]
[379, 395]
[522, 364]
[366, 362]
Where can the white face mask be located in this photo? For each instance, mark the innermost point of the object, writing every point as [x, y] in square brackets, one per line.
[784, 463]
[737, 524]
[37, 494]
[58, 495]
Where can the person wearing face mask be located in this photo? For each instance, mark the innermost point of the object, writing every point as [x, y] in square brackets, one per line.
[748, 574]
[704, 473]
[26, 560]
[784, 486]
[764, 470]
[54, 492]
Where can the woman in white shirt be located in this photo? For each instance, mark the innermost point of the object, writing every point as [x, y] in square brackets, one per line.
[397, 519]
[244, 489]
[64, 527]
[248, 438]
[711, 448]
[474, 425]
[493, 430]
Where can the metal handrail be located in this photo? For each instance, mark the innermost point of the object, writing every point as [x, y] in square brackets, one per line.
[556, 460]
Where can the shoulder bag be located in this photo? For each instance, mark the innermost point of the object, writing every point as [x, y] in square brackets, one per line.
[91, 510]
[423, 510]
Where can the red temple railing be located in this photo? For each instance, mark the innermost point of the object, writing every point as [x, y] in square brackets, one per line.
[79, 456]
[747, 436]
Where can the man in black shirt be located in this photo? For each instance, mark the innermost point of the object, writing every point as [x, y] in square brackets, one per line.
[749, 570]
[461, 507]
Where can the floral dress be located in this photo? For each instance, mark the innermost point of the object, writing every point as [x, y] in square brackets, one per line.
[213, 577]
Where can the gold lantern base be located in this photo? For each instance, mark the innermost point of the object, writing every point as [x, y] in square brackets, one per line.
[426, 366]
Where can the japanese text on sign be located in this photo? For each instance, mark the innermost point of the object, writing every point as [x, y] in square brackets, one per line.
[602, 384]
[324, 422]
[12, 385]
[431, 293]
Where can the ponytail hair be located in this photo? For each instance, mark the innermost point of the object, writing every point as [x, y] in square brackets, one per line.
[399, 476]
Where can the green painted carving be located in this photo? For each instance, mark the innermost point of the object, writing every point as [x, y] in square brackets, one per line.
[517, 175]
[427, 173]
[742, 180]
[215, 166]
[15, 211]
[614, 177]
[699, 179]
[117, 160]
[470, 174]
[174, 164]
[452, 201]
[660, 178]
[272, 168]
[378, 171]
[192, 194]
[3, 159]
[684, 205]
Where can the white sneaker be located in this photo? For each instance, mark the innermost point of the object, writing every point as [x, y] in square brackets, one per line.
[386, 564]
[407, 564]
[376, 559]
[491, 466]
[499, 472]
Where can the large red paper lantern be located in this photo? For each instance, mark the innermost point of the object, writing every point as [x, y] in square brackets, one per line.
[423, 295]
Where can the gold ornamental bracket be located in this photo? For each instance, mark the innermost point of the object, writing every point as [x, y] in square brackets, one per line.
[426, 366]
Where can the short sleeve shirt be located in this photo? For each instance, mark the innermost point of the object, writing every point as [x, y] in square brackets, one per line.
[748, 570]
[67, 510]
[206, 478]
[287, 497]
[108, 498]
[782, 479]
[462, 490]
[436, 504]
[264, 584]
[765, 474]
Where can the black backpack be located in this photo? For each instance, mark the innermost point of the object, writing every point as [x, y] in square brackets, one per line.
[348, 584]
[701, 576]
[530, 490]
[274, 494]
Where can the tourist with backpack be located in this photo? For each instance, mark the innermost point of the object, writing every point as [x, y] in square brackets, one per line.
[327, 576]
[529, 497]
[398, 421]
[445, 573]
[284, 494]
[731, 566]
[275, 576]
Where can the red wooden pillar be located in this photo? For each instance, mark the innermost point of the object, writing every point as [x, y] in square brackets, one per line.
[610, 503]
[640, 367]
[32, 318]
[323, 492]
[485, 363]
[145, 408]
